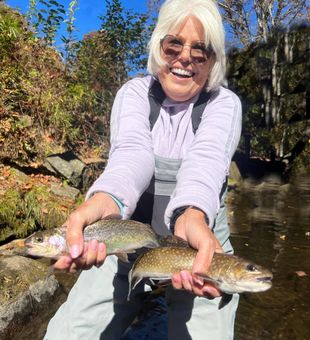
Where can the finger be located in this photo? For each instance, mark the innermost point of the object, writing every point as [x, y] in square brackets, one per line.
[63, 263]
[211, 290]
[91, 255]
[73, 268]
[187, 280]
[203, 260]
[101, 255]
[176, 281]
[75, 236]
[80, 262]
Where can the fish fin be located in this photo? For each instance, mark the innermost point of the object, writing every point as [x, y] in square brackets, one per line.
[132, 282]
[172, 241]
[113, 217]
[225, 299]
[123, 257]
[154, 281]
[163, 283]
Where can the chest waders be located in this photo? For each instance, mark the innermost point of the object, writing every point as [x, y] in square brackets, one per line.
[97, 306]
[153, 202]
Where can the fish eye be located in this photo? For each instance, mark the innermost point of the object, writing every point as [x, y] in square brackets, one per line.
[251, 267]
[39, 239]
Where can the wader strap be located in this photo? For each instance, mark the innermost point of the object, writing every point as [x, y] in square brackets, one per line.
[157, 96]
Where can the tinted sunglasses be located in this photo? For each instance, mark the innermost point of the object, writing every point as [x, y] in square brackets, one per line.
[172, 47]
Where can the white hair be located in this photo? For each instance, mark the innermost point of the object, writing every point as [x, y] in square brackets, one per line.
[171, 15]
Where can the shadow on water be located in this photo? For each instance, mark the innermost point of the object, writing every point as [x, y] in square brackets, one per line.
[270, 224]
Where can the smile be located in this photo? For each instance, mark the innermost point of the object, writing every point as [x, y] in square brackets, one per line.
[181, 72]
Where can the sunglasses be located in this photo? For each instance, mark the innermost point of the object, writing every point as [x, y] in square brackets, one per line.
[172, 47]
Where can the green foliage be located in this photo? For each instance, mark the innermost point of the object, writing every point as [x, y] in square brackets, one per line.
[124, 35]
[21, 213]
[49, 104]
[271, 80]
[47, 19]
[70, 39]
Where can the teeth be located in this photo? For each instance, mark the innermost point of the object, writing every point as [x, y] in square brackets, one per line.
[182, 72]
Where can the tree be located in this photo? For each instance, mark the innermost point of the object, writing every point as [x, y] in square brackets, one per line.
[124, 34]
[250, 21]
[46, 19]
[105, 58]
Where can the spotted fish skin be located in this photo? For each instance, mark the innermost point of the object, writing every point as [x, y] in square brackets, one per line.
[121, 237]
[229, 273]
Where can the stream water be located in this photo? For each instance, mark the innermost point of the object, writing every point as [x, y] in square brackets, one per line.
[270, 224]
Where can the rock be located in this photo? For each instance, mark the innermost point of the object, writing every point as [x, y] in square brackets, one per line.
[65, 191]
[20, 176]
[67, 165]
[93, 170]
[25, 291]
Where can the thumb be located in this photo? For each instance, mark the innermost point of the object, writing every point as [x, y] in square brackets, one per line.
[75, 241]
[202, 260]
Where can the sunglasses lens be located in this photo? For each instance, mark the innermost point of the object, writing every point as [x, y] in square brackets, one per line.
[199, 54]
[171, 46]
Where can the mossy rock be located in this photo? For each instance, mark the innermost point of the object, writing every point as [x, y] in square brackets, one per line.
[25, 290]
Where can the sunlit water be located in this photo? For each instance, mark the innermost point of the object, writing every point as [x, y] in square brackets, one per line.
[270, 224]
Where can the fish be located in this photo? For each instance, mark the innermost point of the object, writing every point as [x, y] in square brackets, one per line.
[229, 273]
[121, 237]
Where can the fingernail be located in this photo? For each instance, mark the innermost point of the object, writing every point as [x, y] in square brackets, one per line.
[74, 251]
[101, 247]
[198, 280]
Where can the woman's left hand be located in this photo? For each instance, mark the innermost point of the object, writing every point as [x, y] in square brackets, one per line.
[192, 227]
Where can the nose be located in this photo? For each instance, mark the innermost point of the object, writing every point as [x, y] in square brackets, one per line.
[186, 53]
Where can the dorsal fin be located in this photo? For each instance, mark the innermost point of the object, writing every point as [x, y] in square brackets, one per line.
[172, 241]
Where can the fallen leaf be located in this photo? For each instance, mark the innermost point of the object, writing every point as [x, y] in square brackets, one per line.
[300, 273]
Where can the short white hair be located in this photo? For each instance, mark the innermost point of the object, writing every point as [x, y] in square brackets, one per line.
[171, 15]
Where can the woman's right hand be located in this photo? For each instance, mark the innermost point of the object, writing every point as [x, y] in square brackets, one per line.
[85, 255]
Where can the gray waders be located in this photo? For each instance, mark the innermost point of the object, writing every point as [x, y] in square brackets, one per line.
[97, 306]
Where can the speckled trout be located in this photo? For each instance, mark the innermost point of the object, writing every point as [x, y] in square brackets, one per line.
[121, 237]
[229, 273]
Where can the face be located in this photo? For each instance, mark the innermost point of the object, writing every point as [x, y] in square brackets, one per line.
[180, 78]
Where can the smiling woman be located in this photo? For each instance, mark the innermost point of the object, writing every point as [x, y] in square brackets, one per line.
[173, 134]
[183, 77]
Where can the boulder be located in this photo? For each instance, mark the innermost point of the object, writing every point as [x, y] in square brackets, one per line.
[26, 289]
[66, 165]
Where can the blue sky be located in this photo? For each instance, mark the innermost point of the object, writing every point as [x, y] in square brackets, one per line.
[88, 12]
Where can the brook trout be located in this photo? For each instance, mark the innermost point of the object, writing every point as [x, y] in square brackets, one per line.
[229, 273]
[121, 237]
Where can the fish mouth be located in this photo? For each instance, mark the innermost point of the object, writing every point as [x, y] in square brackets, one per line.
[265, 279]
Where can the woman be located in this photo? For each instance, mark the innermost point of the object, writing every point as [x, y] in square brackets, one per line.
[173, 135]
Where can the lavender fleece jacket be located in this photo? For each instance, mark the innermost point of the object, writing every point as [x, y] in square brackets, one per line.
[205, 156]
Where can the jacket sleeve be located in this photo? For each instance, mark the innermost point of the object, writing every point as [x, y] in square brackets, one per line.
[131, 160]
[206, 163]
